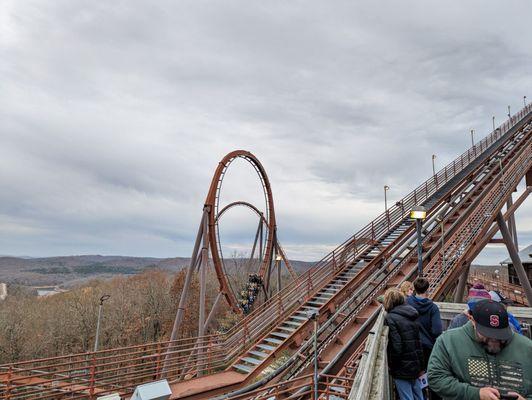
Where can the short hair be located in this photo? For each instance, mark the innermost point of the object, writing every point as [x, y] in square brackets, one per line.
[393, 298]
[421, 285]
[405, 287]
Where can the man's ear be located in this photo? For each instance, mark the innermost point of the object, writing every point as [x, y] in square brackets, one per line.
[470, 317]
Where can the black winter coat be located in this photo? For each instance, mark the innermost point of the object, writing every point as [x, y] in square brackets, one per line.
[405, 354]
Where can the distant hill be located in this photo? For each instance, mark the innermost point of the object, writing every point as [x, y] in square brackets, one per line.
[71, 270]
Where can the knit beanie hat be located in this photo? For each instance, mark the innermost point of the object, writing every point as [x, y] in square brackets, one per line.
[478, 292]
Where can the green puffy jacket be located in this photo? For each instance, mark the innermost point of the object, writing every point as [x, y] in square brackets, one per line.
[459, 366]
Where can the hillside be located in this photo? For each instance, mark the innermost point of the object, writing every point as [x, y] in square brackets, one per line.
[71, 270]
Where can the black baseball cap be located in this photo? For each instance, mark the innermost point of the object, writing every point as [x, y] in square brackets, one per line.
[491, 320]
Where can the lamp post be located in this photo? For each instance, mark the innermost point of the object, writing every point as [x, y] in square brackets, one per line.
[433, 168]
[524, 101]
[472, 138]
[419, 213]
[102, 299]
[509, 114]
[313, 315]
[278, 260]
[493, 122]
[386, 188]
[439, 219]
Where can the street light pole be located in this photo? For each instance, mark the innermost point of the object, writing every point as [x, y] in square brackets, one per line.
[509, 114]
[493, 121]
[472, 138]
[433, 168]
[524, 101]
[440, 220]
[102, 299]
[419, 213]
[386, 188]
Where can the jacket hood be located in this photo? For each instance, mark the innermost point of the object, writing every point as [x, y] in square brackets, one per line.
[406, 311]
[422, 305]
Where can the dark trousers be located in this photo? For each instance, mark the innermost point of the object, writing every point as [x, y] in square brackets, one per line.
[429, 394]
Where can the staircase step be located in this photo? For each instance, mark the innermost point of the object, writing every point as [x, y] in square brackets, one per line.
[243, 368]
[258, 353]
[280, 334]
[265, 346]
[272, 340]
[286, 328]
[298, 318]
[296, 324]
[251, 360]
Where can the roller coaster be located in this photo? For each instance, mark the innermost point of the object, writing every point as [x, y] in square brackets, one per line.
[323, 315]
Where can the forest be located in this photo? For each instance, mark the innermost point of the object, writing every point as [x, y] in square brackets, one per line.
[141, 309]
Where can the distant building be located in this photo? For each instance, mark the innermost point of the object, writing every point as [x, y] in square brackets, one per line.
[526, 259]
[3, 291]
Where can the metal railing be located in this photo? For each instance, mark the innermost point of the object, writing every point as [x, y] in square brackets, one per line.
[83, 375]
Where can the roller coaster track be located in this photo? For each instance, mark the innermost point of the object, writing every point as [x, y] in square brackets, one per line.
[342, 288]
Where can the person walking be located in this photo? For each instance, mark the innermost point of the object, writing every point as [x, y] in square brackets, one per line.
[429, 320]
[475, 294]
[405, 354]
[482, 360]
[407, 288]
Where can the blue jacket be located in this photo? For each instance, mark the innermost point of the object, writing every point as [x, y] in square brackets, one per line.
[429, 320]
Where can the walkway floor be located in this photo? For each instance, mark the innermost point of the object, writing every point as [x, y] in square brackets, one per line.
[205, 383]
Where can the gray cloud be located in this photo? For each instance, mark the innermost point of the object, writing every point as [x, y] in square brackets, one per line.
[114, 115]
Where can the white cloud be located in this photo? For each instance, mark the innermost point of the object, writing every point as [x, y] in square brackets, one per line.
[114, 115]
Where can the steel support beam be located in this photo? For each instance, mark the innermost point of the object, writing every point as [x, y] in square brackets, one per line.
[186, 286]
[460, 289]
[511, 222]
[213, 311]
[528, 178]
[521, 274]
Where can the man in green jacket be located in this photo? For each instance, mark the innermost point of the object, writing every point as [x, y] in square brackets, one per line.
[482, 360]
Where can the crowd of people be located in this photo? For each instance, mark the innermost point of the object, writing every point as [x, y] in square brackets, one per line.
[481, 356]
[249, 293]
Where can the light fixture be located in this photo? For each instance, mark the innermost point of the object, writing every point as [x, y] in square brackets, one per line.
[418, 212]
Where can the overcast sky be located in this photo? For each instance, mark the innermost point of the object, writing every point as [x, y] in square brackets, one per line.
[114, 114]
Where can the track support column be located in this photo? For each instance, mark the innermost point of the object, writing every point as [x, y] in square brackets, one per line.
[521, 274]
[511, 223]
[459, 294]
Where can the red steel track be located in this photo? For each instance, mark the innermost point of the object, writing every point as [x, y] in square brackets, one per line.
[271, 350]
[212, 203]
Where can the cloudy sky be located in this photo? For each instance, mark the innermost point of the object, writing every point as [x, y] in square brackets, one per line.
[114, 114]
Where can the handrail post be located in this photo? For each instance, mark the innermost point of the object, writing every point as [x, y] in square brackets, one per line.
[8, 384]
[158, 362]
[92, 377]
[279, 306]
[308, 283]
